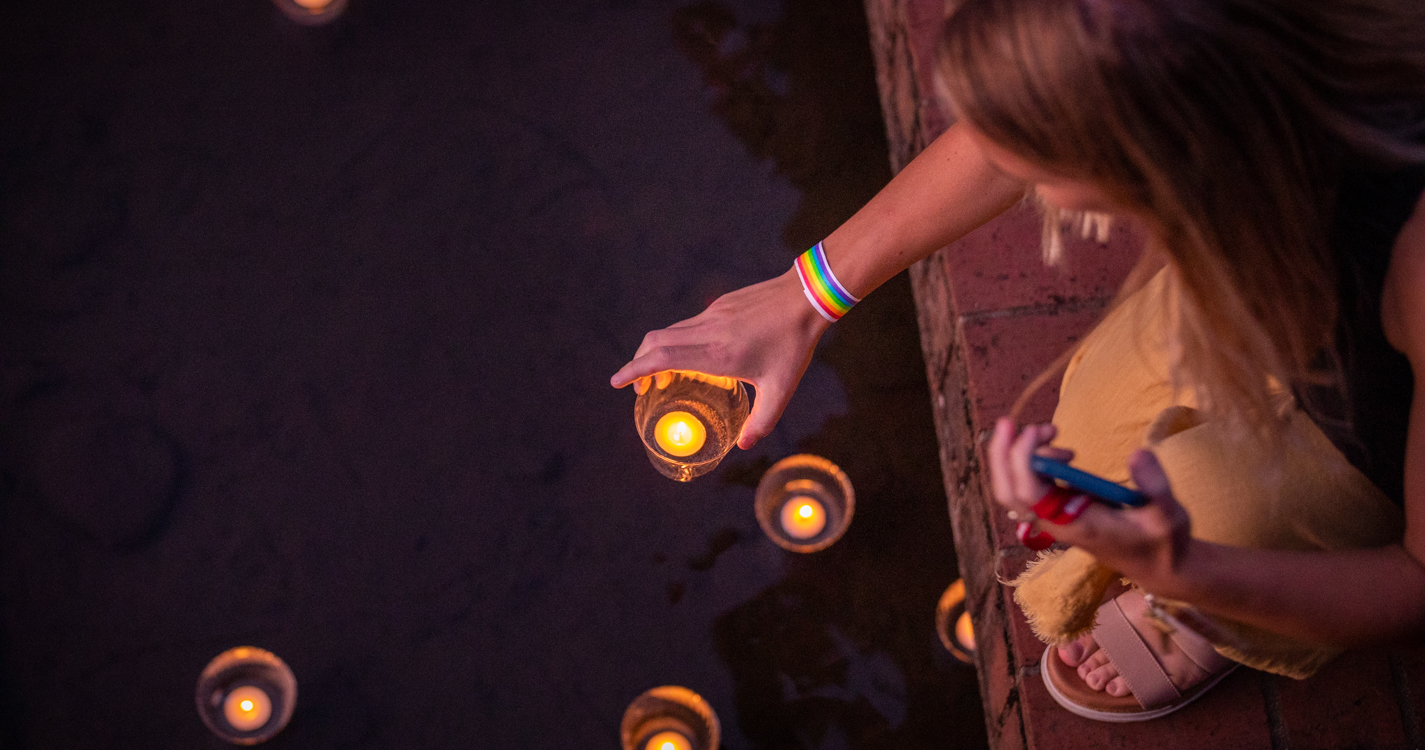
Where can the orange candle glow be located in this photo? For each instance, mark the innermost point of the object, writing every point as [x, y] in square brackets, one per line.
[680, 434]
[247, 708]
[965, 631]
[668, 740]
[803, 517]
[313, 5]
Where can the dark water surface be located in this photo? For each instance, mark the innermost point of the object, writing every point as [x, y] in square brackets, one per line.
[305, 336]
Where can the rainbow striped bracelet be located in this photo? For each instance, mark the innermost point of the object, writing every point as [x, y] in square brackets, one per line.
[826, 294]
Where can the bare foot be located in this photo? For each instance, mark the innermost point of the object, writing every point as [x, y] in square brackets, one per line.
[1099, 673]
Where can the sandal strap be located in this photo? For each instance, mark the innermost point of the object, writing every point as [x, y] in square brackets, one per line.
[1135, 661]
[1198, 649]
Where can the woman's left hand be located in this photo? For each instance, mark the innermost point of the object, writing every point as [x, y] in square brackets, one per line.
[1146, 544]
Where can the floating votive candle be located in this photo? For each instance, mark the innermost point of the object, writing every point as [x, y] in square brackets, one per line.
[688, 420]
[247, 708]
[669, 718]
[803, 517]
[953, 623]
[804, 503]
[668, 740]
[311, 12]
[246, 695]
[680, 434]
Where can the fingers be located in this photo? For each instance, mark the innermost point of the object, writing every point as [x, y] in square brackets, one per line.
[658, 359]
[1026, 484]
[1013, 482]
[1058, 454]
[998, 454]
[767, 408]
[670, 339]
[1148, 474]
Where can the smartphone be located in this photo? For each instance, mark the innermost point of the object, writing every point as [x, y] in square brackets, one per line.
[1100, 488]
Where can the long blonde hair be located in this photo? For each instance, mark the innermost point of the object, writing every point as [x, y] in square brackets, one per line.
[1227, 125]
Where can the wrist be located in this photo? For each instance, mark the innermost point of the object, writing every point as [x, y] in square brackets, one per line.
[824, 290]
[805, 315]
[1183, 577]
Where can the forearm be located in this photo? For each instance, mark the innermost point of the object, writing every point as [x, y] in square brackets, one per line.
[943, 194]
[1346, 598]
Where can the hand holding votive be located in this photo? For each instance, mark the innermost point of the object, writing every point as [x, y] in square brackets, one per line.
[688, 420]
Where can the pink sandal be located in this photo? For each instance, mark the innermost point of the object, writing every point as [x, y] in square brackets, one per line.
[1153, 694]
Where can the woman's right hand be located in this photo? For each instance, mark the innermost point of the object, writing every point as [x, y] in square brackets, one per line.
[763, 334]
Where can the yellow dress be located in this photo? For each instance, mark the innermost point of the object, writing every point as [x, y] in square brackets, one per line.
[1117, 397]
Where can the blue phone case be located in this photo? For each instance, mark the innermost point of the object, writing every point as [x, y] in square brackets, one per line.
[1100, 488]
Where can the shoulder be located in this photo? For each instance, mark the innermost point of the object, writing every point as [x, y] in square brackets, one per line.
[1403, 298]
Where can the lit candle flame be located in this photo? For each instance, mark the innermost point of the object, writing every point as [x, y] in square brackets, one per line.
[668, 740]
[965, 632]
[247, 708]
[680, 434]
[803, 518]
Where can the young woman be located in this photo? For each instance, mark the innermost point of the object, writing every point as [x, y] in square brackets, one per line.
[1274, 153]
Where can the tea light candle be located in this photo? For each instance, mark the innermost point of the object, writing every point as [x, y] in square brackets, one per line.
[247, 708]
[680, 434]
[803, 517]
[668, 740]
[965, 631]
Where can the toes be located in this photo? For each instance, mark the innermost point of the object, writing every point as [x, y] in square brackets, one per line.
[1073, 654]
[1095, 661]
[1117, 688]
[1099, 678]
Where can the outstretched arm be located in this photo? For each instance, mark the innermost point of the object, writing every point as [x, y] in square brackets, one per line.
[764, 334]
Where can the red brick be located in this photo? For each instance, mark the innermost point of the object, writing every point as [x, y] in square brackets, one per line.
[1027, 647]
[1004, 353]
[924, 21]
[997, 684]
[1231, 715]
[1000, 265]
[1349, 703]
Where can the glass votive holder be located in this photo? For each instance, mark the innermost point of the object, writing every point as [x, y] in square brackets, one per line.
[688, 421]
[804, 503]
[670, 718]
[246, 695]
[953, 625]
[311, 12]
